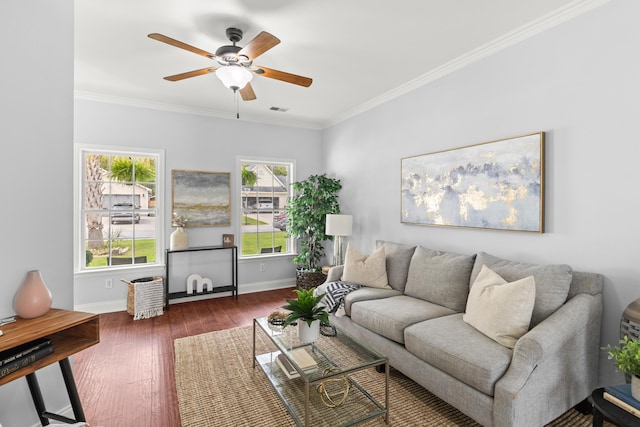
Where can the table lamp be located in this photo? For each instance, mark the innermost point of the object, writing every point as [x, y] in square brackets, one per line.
[338, 226]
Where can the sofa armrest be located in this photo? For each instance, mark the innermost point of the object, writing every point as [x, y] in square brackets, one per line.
[554, 365]
[335, 273]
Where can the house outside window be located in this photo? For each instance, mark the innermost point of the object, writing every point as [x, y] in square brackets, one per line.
[119, 220]
[265, 187]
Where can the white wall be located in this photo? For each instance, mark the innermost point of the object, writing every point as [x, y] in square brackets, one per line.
[36, 133]
[194, 143]
[579, 84]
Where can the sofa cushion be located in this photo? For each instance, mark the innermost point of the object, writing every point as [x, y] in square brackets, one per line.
[365, 270]
[457, 348]
[440, 277]
[365, 294]
[390, 316]
[398, 258]
[499, 309]
[552, 281]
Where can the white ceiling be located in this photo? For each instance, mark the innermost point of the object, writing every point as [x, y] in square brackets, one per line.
[359, 53]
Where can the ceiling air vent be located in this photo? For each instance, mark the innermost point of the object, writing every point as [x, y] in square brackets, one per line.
[281, 109]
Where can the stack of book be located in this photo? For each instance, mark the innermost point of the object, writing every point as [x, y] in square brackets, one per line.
[24, 355]
[620, 395]
[302, 359]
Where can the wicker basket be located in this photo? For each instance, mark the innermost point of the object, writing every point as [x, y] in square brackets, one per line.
[130, 298]
[309, 279]
[157, 280]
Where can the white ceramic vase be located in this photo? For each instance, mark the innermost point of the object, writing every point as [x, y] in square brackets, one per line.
[179, 239]
[33, 298]
[308, 333]
[635, 387]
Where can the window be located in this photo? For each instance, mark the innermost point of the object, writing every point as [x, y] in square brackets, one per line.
[119, 212]
[265, 188]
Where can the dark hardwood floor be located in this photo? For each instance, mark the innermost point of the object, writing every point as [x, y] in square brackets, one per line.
[128, 379]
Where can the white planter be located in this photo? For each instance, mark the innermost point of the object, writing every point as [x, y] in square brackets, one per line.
[179, 240]
[635, 387]
[306, 333]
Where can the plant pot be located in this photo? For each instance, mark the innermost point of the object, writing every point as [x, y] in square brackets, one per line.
[635, 387]
[308, 333]
[309, 279]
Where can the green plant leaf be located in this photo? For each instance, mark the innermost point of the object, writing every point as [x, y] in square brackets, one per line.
[626, 355]
[315, 197]
[305, 307]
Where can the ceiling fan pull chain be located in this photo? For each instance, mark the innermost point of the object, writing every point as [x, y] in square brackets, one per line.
[235, 95]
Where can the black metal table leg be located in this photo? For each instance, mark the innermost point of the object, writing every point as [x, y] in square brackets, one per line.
[36, 395]
[72, 391]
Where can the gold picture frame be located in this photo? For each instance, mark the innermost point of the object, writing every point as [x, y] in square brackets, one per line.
[494, 185]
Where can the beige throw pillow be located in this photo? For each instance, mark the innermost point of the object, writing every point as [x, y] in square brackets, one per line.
[365, 270]
[499, 309]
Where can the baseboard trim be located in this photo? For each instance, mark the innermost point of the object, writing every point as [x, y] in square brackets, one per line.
[248, 288]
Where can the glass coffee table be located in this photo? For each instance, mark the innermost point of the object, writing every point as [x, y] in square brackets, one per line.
[326, 393]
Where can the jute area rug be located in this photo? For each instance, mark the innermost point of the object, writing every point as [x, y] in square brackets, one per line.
[218, 386]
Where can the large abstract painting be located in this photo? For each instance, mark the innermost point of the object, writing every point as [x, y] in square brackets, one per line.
[495, 185]
[204, 198]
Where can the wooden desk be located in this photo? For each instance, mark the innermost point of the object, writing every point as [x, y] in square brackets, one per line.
[70, 332]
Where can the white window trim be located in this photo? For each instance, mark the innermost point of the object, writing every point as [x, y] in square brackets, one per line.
[238, 202]
[78, 196]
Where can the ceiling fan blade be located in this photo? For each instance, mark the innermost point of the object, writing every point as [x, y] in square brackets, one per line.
[188, 74]
[247, 93]
[176, 43]
[285, 77]
[259, 45]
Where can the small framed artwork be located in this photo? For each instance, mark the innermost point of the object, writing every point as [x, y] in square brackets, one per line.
[227, 240]
[204, 198]
[496, 185]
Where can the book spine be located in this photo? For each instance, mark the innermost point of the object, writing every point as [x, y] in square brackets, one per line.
[23, 352]
[25, 361]
[621, 404]
[284, 370]
[624, 396]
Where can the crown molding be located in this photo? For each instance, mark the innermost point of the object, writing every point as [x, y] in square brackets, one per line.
[545, 22]
[140, 103]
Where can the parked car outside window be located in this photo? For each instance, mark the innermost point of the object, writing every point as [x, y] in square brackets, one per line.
[280, 222]
[127, 214]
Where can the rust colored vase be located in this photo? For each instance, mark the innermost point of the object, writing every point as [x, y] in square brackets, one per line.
[33, 298]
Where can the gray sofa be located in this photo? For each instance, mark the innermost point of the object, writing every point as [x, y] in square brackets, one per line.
[418, 323]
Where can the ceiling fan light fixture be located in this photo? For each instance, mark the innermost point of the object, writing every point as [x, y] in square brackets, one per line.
[234, 77]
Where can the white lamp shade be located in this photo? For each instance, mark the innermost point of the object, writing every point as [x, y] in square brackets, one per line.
[339, 225]
[234, 76]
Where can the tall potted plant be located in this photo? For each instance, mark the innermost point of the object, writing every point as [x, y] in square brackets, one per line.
[314, 198]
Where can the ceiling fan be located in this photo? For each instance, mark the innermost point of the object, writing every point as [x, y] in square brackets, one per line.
[234, 64]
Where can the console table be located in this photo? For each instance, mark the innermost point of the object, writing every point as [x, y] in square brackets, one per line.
[233, 287]
[70, 332]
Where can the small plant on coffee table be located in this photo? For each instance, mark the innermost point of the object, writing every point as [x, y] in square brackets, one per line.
[306, 307]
